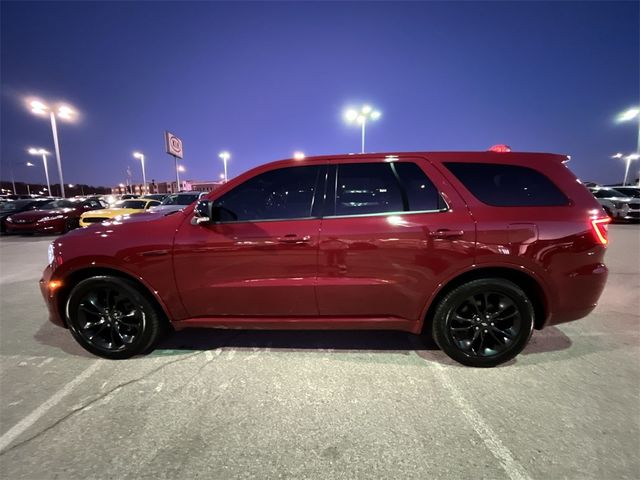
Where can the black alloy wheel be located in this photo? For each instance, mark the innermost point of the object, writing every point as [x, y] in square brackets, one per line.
[112, 318]
[484, 323]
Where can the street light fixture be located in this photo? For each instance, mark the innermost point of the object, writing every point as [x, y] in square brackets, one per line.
[140, 156]
[629, 115]
[225, 156]
[298, 155]
[63, 112]
[366, 113]
[44, 153]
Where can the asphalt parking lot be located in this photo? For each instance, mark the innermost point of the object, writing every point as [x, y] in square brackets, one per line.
[242, 404]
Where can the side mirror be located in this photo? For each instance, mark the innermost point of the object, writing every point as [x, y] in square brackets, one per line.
[203, 213]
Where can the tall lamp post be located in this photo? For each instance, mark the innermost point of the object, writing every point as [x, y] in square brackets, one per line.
[628, 159]
[44, 153]
[63, 112]
[140, 156]
[179, 169]
[361, 117]
[225, 156]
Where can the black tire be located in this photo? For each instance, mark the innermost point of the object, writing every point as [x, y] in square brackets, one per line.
[112, 318]
[484, 322]
[70, 224]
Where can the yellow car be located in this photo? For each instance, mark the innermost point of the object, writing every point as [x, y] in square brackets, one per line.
[123, 207]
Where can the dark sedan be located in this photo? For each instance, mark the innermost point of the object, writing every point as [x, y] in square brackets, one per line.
[59, 216]
[18, 206]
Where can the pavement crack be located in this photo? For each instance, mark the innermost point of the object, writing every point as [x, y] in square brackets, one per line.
[92, 402]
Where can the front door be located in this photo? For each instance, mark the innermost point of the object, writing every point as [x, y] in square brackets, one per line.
[260, 259]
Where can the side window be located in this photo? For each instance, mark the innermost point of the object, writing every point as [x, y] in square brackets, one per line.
[363, 188]
[421, 193]
[278, 194]
[507, 185]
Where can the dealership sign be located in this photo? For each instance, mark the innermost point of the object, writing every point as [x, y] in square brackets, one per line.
[173, 145]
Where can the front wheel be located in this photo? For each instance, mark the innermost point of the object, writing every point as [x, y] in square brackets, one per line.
[110, 317]
[484, 323]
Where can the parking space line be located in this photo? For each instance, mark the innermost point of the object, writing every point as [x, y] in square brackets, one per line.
[514, 470]
[34, 416]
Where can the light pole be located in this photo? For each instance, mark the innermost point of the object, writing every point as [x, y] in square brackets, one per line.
[629, 159]
[181, 169]
[144, 177]
[44, 153]
[225, 156]
[361, 117]
[63, 112]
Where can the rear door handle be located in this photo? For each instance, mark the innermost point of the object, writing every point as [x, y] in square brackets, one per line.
[446, 233]
[293, 238]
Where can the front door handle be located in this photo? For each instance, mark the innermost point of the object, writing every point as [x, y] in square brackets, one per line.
[293, 238]
[446, 233]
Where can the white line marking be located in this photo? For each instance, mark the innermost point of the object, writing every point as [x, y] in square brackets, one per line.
[484, 431]
[34, 416]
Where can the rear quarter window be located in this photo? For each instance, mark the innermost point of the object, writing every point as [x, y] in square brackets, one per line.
[508, 185]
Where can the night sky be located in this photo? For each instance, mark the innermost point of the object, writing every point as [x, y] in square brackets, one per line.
[265, 79]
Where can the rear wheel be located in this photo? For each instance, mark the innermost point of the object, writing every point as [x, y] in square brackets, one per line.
[484, 323]
[110, 317]
[70, 224]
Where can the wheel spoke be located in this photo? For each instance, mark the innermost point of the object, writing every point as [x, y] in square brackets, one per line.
[462, 319]
[500, 339]
[99, 331]
[461, 329]
[503, 333]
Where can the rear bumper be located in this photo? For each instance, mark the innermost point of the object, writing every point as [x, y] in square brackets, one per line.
[50, 298]
[578, 293]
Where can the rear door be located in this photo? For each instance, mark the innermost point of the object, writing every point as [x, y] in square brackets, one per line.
[260, 259]
[391, 232]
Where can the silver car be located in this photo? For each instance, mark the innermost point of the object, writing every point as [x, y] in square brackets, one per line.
[619, 206]
[177, 201]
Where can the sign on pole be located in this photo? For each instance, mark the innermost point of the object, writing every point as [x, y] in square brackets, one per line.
[173, 145]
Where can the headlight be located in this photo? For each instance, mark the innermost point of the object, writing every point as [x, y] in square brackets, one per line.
[53, 217]
[50, 254]
[9, 219]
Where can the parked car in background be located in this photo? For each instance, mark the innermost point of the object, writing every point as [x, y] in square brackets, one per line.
[619, 206]
[177, 201]
[124, 207]
[157, 196]
[473, 248]
[17, 206]
[59, 216]
[631, 191]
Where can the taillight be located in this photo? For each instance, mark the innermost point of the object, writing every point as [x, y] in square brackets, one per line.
[600, 228]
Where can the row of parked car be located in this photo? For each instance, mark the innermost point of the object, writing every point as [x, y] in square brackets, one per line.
[32, 214]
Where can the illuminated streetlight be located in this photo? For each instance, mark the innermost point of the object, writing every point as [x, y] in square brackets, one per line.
[222, 176]
[366, 113]
[181, 168]
[617, 155]
[144, 177]
[65, 113]
[44, 153]
[298, 155]
[629, 115]
[225, 156]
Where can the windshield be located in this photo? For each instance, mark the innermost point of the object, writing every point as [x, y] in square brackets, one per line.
[134, 204]
[14, 206]
[181, 199]
[62, 204]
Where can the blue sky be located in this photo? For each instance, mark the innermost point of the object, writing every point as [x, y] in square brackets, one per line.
[265, 79]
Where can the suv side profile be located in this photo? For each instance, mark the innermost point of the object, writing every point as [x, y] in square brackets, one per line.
[473, 248]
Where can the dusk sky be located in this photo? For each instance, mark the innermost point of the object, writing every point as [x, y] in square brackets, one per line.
[265, 79]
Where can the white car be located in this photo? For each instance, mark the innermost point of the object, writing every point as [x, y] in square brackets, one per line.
[177, 201]
[619, 206]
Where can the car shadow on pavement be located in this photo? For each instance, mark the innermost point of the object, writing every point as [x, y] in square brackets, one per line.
[321, 341]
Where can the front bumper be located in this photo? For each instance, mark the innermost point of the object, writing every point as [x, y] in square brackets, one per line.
[53, 226]
[51, 298]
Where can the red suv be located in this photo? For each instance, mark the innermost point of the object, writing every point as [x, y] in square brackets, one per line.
[476, 249]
